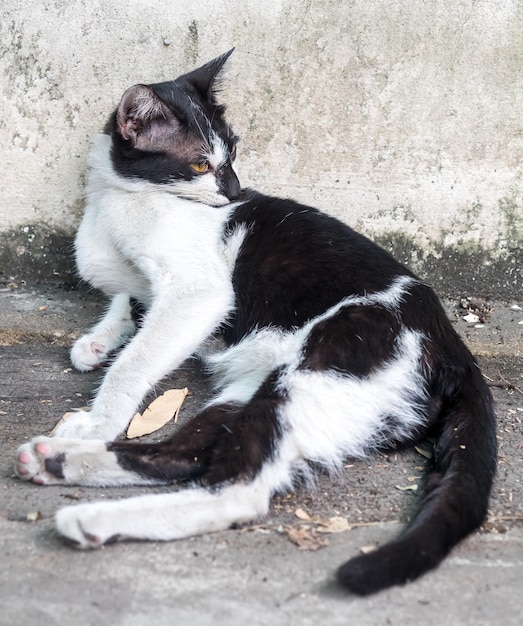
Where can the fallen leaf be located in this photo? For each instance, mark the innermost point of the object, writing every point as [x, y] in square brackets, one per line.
[334, 525]
[306, 539]
[158, 413]
[43, 308]
[301, 514]
[368, 549]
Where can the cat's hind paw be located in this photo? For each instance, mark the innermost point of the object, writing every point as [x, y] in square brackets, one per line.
[40, 462]
[53, 461]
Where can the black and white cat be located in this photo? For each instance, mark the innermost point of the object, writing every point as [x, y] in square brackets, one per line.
[321, 345]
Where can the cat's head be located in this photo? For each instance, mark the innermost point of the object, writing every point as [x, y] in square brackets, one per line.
[174, 134]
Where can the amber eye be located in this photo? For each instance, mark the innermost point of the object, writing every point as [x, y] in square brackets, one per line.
[200, 168]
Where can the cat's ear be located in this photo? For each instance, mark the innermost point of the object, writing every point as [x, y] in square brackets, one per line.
[204, 78]
[143, 118]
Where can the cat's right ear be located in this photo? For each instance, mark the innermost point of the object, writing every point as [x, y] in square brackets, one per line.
[143, 118]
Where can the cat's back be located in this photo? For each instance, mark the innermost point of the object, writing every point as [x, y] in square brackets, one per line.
[296, 262]
[296, 242]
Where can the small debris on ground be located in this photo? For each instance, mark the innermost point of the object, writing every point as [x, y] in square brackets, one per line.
[478, 310]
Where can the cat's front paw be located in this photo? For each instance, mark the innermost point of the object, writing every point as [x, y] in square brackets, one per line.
[86, 526]
[84, 425]
[92, 350]
[88, 354]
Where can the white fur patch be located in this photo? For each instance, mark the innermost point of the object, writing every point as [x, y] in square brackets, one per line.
[332, 416]
[202, 189]
[217, 157]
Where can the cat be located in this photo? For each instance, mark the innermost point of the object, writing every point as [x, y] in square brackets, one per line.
[320, 344]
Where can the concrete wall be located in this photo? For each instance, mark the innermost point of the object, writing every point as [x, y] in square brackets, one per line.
[402, 117]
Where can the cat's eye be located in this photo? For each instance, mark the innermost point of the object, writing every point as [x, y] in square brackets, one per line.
[200, 168]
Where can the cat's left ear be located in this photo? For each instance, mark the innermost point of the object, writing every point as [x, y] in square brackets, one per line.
[144, 119]
[204, 78]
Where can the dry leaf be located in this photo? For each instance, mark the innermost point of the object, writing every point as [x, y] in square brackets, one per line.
[301, 514]
[334, 525]
[158, 413]
[306, 539]
[368, 549]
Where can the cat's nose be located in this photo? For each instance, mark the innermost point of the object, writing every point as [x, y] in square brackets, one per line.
[229, 184]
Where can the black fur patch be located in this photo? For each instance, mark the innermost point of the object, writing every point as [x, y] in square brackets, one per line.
[296, 262]
[356, 341]
[55, 465]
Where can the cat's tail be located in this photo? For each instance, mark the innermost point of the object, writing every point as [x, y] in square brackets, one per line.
[457, 490]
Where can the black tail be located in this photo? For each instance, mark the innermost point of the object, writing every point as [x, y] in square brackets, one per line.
[457, 491]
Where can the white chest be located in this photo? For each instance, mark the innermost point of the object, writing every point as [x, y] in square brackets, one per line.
[135, 232]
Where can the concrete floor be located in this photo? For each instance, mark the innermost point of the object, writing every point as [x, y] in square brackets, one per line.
[254, 575]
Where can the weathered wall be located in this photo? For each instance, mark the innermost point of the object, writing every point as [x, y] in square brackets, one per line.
[403, 118]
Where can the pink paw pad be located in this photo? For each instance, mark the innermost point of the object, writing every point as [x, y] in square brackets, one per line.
[42, 448]
[97, 348]
[25, 458]
[94, 539]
